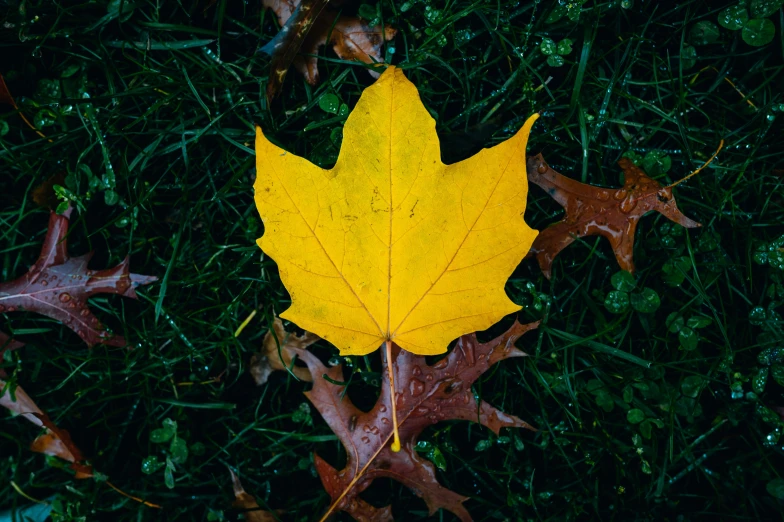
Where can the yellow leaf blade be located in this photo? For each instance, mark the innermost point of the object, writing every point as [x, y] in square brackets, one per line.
[391, 243]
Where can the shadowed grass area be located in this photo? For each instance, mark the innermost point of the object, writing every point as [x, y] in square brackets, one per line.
[149, 108]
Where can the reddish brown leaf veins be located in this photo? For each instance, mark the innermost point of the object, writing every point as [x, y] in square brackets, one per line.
[58, 286]
[597, 211]
[427, 394]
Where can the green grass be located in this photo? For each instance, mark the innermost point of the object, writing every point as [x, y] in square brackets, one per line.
[170, 129]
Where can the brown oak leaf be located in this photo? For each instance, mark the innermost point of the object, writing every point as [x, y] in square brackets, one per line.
[262, 364]
[592, 211]
[426, 394]
[58, 286]
[307, 26]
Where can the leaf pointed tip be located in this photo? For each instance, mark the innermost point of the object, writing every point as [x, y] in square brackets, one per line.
[529, 123]
[688, 222]
[391, 70]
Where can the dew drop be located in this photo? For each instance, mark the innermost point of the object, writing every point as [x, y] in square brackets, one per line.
[366, 440]
[384, 420]
[603, 195]
[619, 194]
[417, 370]
[416, 387]
[44, 282]
[64, 297]
[628, 204]
[452, 386]
[382, 408]
[440, 365]
[85, 312]
[2, 309]
[541, 168]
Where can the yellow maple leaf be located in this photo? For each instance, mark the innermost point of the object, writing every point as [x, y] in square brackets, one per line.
[391, 244]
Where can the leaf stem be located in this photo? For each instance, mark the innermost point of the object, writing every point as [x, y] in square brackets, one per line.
[396, 443]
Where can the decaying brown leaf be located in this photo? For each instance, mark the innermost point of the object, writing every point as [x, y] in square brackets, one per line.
[427, 394]
[296, 19]
[591, 211]
[54, 441]
[307, 26]
[262, 364]
[57, 442]
[58, 286]
[247, 503]
[44, 195]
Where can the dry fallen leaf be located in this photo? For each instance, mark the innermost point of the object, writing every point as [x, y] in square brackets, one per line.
[310, 28]
[54, 441]
[58, 286]
[247, 503]
[57, 443]
[391, 244]
[296, 19]
[428, 394]
[44, 194]
[262, 364]
[592, 211]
